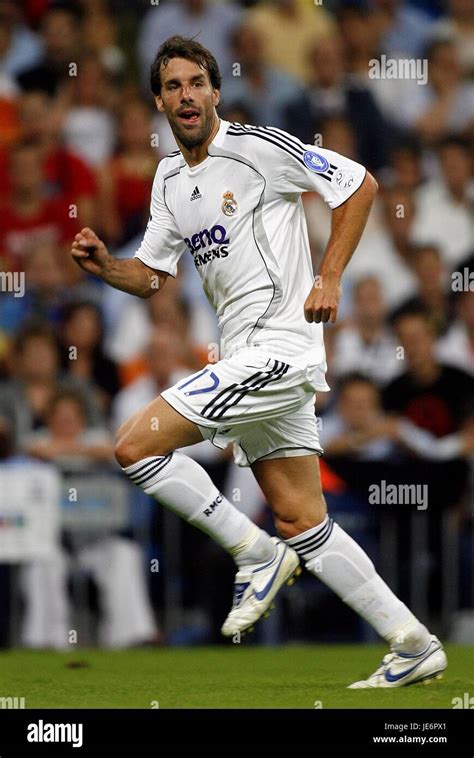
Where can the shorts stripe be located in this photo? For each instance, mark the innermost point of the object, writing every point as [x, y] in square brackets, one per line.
[237, 392]
[277, 373]
[228, 389]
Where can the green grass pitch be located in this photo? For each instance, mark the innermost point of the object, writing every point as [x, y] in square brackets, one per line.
[234, 676]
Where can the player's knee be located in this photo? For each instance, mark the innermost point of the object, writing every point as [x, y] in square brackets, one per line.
[291, 525]
[126, 452]
[131, 447]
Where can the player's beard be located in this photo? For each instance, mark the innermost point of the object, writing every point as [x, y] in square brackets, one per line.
[196, 137]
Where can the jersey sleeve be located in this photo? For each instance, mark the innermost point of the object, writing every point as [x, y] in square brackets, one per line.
[162, 244]
[299, 167]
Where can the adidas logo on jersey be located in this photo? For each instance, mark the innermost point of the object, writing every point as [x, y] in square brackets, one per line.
[195, 194]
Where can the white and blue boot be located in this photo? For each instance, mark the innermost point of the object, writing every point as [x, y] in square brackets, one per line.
[401, 669]
[256, 586]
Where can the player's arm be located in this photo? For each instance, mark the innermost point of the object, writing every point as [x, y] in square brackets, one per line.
[347, 224]
[130, 275]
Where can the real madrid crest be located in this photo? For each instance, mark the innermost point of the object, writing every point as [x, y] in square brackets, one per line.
[229, 204]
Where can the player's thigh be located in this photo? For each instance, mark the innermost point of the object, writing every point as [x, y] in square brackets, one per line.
[156, 429]
[292, 488]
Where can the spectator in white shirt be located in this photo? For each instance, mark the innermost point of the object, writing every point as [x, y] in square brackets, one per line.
[365, 343]
[387, 253]
[445, 207]
[89, 126]
[457, 346]
[445, 105]
[458, 25]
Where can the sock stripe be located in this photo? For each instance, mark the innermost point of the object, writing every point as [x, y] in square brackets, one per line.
[142, 465]
[144, 471]
[310, 551]
[150, 469]
[149, 474]
[297, 542]
[311, 548]
[310, 544]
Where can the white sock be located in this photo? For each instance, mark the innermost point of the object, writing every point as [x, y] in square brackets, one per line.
[182, 485]
[335, 558]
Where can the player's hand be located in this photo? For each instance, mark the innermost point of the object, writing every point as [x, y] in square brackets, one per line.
[323, 301]
[89, 252]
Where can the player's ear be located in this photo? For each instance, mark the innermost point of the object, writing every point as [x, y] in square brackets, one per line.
[159, 103]
[216, 97]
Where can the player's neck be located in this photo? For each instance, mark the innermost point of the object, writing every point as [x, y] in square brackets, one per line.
[197, 154]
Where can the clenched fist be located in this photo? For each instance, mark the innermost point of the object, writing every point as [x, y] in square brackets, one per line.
[89, 252]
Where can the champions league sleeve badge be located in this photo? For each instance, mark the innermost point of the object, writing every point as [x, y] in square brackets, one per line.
[229, 204]
[315, 162]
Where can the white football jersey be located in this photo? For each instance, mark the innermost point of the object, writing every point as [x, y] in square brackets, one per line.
[239, 214]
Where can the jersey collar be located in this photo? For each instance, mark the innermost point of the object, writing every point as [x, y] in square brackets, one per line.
[221, 132]
[216, 142]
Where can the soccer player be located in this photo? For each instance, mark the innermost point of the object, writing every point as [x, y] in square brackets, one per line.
[231, 198]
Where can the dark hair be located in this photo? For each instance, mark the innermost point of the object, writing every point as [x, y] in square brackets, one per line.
[353, 8]
[411, 311]
[23, 145]
[69, 310]
[7, 442]
[69, 396]
[355, 377]
[33, 330]
[406, 144]
[453, 140]
[182, 47]
[71, 7]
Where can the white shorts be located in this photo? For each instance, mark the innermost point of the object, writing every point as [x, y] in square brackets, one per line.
[262, 405]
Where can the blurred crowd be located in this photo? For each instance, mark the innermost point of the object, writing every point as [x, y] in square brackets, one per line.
[80, 140]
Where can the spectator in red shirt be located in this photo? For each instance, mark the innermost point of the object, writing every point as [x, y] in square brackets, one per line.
[28, 217]
[66, 175]
[434, 396]
[125, 180]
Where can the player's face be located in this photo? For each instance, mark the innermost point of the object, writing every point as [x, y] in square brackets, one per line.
[188, 100]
